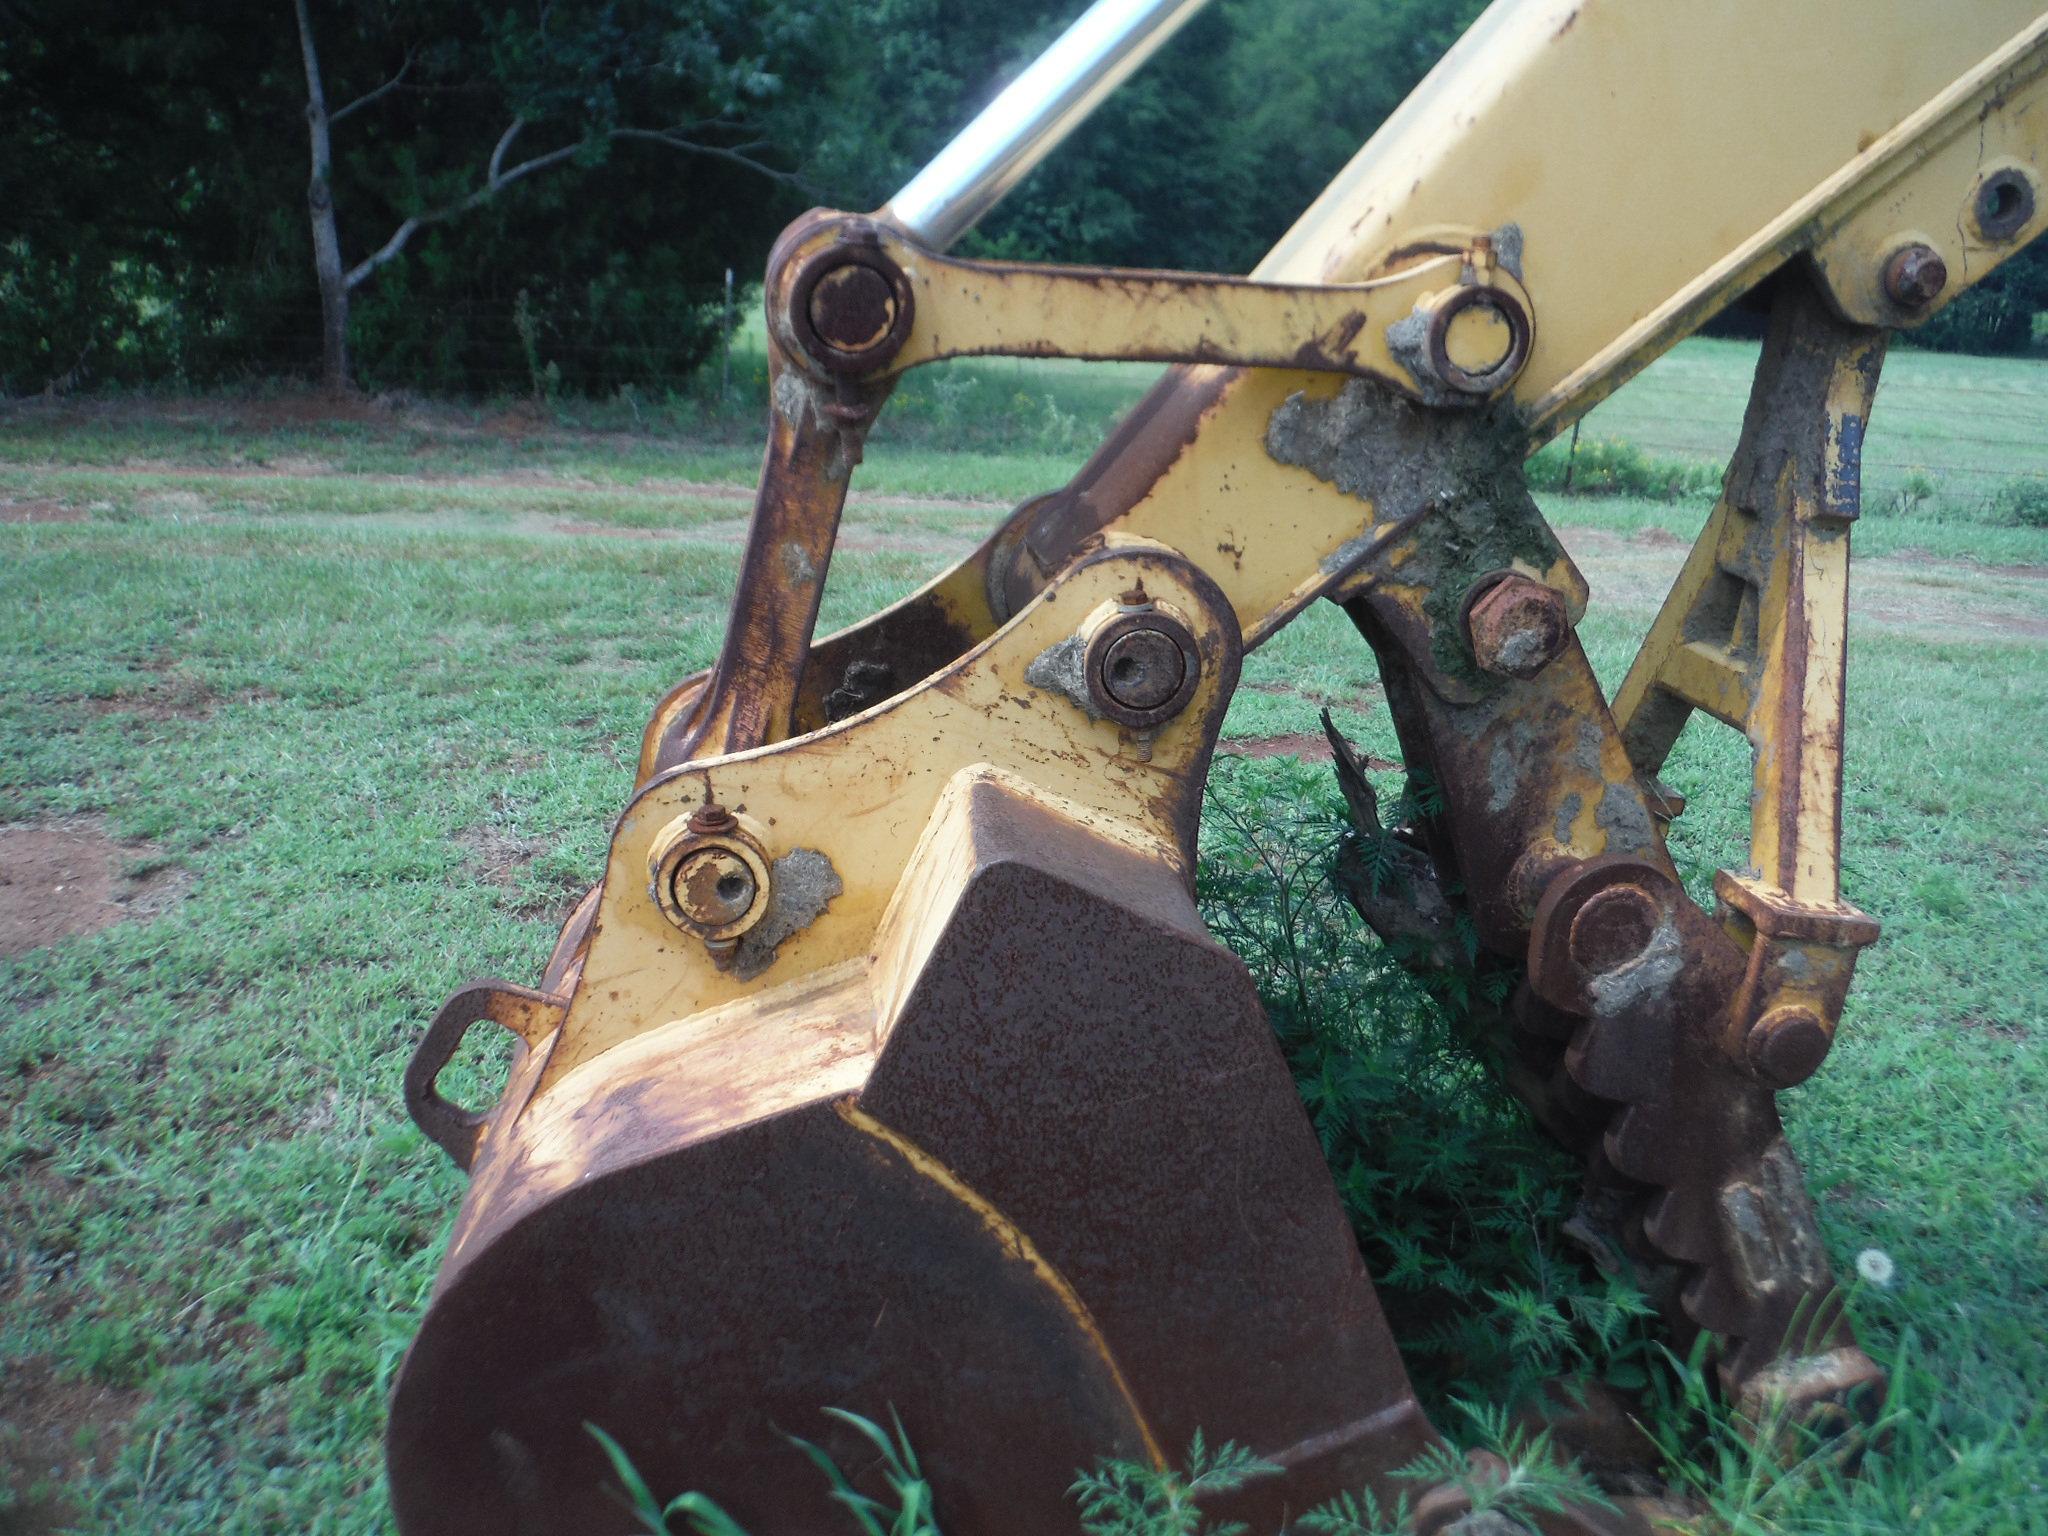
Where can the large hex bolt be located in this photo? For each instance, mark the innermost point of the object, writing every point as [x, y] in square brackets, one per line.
[1517, 627]
[1915, 276]
[1787, 1045]
[1142, 667]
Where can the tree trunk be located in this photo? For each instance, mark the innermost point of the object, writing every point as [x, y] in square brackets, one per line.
[327, 267]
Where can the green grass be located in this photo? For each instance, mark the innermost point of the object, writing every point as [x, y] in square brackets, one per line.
[316, 693]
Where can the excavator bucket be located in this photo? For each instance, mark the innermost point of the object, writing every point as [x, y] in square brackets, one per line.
[890, 1068]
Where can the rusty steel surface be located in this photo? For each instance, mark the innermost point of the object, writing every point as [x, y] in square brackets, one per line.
[888, 1066]
[1056, 1200]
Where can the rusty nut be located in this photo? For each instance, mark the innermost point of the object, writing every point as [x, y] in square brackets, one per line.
[1517, 627]
[1915, 276]
[709, 876]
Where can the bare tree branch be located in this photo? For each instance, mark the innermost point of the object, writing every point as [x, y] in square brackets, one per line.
[369, 96]
[504, 143]
[675, 140]
[497, 178]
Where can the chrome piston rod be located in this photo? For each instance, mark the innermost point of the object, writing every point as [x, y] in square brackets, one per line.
[1032, 115]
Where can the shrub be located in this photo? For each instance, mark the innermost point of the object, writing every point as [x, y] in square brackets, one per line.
[2023, 501]
[1605, 466]
[1456, 1198]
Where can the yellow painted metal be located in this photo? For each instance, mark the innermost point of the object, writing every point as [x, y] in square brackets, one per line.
[1652, 161]
[1754, 632]
[968, 309]
[1924, 191]
[861, 793]
[1657, 157]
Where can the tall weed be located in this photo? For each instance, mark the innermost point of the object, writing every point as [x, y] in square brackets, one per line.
[1456, 1198]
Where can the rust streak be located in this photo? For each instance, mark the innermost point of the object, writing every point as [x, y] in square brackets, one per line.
[1014, 1238]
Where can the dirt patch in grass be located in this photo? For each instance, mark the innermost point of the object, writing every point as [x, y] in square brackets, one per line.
[1988, 1027]
[1656, 536]
[855, 541]
[615, 531]
[170, 697]
[178, 507]
[39, 510]
[54, 1434]
[1363, 700]
[1934, 613]
[313, 408]
[67, 878]
[552, 481]
[497, 856]
[1309, 746]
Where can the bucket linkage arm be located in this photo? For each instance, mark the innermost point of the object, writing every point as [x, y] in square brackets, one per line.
[1649, 1034]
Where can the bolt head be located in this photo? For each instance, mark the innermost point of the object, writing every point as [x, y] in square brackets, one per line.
[1915, 276]
[1613, 928]
[1787, 1045]
[1517, 627]
[852, 308]
[713, 887]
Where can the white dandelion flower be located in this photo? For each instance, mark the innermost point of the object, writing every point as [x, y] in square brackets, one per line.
[1875, 1265]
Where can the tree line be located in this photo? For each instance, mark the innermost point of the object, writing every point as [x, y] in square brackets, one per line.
[435, 194]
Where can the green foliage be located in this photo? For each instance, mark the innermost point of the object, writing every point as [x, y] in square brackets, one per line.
[2023, 502]
[1125, 1498]
[155, 174]
[1605, 466]
[1762, 1478]
[1537, 1482]
[701, 1516]
[907, 1511]
[1456, 1198]
[1357, 1514]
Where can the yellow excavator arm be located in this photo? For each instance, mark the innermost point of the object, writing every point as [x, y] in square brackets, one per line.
[890, 1067]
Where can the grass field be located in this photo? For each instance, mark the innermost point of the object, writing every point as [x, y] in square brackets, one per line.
[316, 718]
